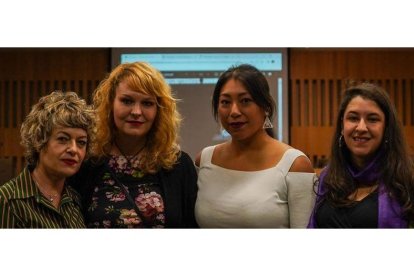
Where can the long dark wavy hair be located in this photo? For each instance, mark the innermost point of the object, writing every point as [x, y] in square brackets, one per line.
[255, 83]
[396, 167]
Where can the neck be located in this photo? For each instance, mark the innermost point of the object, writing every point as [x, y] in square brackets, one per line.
[359, 163]
[255, 142]
[47, 182]
[369, 173]
[128, 147]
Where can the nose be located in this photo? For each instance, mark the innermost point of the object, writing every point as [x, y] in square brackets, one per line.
[72, 147]
[136, 110]
[361, 125]
[235, 111]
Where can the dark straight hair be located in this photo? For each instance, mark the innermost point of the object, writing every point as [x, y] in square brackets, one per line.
[255, 83]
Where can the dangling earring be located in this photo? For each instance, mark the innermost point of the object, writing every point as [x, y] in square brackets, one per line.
[223, 133]
[340, 141]
[267, 122]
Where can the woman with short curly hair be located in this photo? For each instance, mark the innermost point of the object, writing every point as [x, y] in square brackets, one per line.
[57, 135]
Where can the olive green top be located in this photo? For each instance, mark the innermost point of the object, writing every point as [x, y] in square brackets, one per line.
[22, 205]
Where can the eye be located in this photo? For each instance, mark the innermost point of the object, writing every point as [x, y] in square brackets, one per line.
[224, 102]
[126, 101]
[82, 143]
[62, 139]
[352, 118]
[373, 119]
[246, 100]
[148, 103]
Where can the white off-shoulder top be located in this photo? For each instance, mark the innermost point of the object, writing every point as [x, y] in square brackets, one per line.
[270, 198]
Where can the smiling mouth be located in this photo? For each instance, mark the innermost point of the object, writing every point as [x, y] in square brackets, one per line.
[361, 139]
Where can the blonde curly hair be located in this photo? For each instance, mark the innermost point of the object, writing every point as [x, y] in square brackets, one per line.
[58, 109]
[162, 149]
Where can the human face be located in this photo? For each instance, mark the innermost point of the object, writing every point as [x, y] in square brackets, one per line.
[134, 112]
[64, 152]
[238, 113]
[363, 129]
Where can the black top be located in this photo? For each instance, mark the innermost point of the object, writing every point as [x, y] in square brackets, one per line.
[364, 214]
[178, 188]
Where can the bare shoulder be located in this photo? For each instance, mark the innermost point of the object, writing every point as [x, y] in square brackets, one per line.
[279, 147]
[302, 164]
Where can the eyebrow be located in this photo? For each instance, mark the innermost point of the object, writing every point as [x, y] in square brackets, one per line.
[142, 95]
[225, 94]
[369, 114]
[67, 134]
[63, 132]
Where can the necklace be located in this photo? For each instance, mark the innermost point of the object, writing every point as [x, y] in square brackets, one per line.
[130, 157]
[50, 197]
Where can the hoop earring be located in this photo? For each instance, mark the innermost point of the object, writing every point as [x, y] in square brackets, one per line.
[267, 123]
[221, 128]
[340, 142]
[386, 139]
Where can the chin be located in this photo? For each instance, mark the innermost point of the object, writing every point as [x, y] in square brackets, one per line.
[239, 137]
[135, 134]
[360, 154]
[363, 155]
[69, 172]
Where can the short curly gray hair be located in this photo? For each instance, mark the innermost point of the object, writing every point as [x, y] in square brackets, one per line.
[58, 109]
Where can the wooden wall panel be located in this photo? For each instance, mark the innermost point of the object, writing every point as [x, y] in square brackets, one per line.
[318, 78]
[54, 63]
[351, 63]
[28, 74]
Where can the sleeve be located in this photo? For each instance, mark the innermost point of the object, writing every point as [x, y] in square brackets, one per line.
[190, 190]
[319, 197]
[83, 181]
[76, 180]
[301, 197]
[6, 215]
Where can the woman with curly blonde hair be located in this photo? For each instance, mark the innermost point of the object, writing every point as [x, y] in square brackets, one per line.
[141, 176]
[57, 135]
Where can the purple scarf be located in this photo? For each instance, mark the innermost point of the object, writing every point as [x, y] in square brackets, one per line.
[389, 210]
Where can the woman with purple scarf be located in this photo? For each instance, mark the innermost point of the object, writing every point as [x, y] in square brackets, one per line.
[369, 181]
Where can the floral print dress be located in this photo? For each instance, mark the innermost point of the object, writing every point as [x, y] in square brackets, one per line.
[110, 207]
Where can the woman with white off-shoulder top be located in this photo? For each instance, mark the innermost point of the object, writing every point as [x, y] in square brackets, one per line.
[252, 180]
